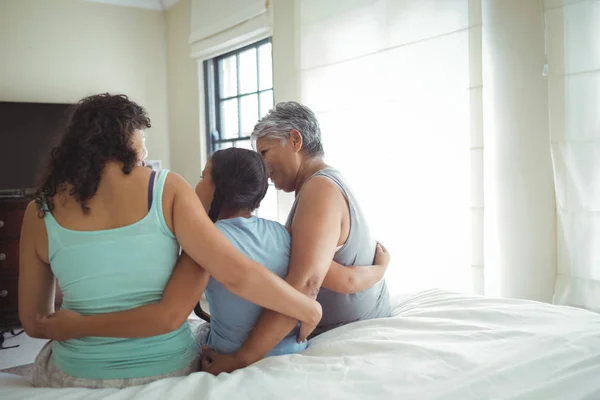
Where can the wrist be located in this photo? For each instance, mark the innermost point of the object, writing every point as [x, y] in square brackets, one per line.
[244, 357]
[79, 328]
[379, 271]
[317, 314]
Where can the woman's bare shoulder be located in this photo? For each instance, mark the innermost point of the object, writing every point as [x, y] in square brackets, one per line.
[34, 231]
[174, 183]
[320, 189]
[33, 214]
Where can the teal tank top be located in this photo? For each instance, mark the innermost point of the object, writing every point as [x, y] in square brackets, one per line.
[114, 270]
[231, 317]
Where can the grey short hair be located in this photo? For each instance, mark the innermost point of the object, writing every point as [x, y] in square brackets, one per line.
[284, 117]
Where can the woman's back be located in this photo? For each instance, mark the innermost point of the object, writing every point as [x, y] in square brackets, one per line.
[232, 318]
[117, 257]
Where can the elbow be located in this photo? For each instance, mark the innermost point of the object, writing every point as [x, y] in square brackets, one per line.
[349, 285]
[35, 335]
[171, 324]
[242, 276]
[310, 286]
[171, 320]
[31, 329]
[238, 282]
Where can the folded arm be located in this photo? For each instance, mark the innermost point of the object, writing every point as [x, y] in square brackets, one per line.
[354, 279]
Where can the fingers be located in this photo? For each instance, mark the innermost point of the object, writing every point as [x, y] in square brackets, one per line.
[208, 352]
[41, 317]
[303, 333]
[208, 356]
[381, 247]
[206, 361]
[206, 365]
[39, 321]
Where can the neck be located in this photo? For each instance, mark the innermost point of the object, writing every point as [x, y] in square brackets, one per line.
[113, 168]
[229, 214]
[307, 169]
[112, 176]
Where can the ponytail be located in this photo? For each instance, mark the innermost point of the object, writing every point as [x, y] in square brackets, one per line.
[215, 206]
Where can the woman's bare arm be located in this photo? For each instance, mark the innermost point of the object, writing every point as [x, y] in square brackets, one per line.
[354, 279]
[182, 293]
[36, 281]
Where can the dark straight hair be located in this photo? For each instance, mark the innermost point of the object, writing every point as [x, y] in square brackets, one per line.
[240, 179]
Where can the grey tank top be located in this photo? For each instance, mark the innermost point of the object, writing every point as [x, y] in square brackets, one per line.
[359, 249]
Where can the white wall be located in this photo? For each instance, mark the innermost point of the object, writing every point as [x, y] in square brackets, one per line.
[62, 50]
[210, 17]
[183, 94]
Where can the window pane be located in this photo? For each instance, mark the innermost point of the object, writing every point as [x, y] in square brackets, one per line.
[248, 71]
[249, 113]
[268, 207]
[266, 102]
[229, 119]
[223, 146]
[244, 144]
[227, 77]
[265, 67]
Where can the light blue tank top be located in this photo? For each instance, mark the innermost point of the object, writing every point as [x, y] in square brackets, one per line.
[114, 270]
[231, 317]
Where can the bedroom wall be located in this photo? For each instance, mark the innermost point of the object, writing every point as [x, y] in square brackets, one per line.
[211, 17]
[183, 95]
[62, 50]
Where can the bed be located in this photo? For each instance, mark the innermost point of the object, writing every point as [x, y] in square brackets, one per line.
[438, 345]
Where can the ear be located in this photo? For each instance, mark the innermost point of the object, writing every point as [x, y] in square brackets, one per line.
[296, 140]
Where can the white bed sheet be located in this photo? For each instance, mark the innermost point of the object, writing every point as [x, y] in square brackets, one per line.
[438, 345]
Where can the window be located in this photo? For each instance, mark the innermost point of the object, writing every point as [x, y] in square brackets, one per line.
[239, 91]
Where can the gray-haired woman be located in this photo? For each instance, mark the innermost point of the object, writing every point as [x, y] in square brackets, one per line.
[326, 222]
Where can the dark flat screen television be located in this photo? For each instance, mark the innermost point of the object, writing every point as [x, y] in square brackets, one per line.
[27, 133]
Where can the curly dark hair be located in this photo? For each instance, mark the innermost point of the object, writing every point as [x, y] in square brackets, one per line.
[240, 179]
[99, 130]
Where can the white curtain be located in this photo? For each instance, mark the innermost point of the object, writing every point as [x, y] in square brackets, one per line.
[520, 209]
[573, 48]
[396, 85]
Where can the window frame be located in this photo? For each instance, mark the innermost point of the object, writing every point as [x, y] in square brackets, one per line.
[213, 99]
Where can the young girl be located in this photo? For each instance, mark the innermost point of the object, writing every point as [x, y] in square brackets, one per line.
[233, 184]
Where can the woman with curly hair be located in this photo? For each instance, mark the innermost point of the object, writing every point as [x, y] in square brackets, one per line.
[109, 230]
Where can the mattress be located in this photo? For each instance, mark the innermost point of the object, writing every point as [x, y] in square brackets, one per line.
[438, 345]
